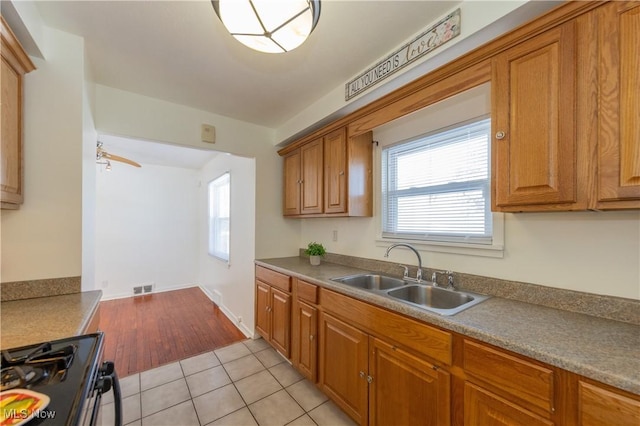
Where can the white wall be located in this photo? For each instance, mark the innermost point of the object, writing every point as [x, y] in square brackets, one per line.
[596, 252]
[231, 285]
[43, 239]
[146, 228]
[124, 113]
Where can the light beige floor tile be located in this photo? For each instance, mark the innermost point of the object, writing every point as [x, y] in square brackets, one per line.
[164, 396]
[269, 357]
[285, 374]
[129, 385]
[183, 414]
[198, 363]
[243, 367]
[208, 380]
[218, 403]
[302, 421]
[231, 352]
[276, 410]
[307, 394]
[241, 417]
[130, 411]
[136, 423]
[328, 414]
[256, 345]
[159, 376]
[257, 386]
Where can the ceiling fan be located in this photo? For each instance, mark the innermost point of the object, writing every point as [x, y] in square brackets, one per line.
[103, 157]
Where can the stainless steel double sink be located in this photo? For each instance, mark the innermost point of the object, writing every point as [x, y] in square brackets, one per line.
[424, 296]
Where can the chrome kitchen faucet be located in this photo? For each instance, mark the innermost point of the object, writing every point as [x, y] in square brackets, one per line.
[419, 273]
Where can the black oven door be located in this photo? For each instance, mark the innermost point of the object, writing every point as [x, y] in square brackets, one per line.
[106, 380]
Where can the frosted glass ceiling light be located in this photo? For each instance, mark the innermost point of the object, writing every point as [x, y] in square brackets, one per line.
[272, 26]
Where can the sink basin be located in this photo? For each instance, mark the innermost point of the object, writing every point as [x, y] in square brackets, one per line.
[446, 302]
[371, 281]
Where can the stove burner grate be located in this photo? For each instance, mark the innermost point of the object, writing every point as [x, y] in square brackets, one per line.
[42, 365]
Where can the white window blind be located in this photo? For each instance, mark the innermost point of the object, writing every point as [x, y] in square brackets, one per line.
[437, 187]
[219, 209]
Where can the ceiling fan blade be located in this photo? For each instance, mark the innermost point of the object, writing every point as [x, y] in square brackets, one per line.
[120, 159]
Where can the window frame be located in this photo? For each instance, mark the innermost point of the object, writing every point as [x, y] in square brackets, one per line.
[491, 246]
[211, 187]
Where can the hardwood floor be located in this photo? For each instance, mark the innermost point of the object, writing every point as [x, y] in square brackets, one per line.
[144, 332]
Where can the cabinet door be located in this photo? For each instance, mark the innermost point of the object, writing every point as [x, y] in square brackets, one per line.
[599, 407]
[263, 306]
[335, 172]
[11, 136]
[405, 390]
[307, 340]
[343, 366]
[533, 121]
[619, 119]
[292, 178]
[482, 407]
[311, 188]
[281, 321]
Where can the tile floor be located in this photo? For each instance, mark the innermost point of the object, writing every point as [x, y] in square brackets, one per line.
[247, 383]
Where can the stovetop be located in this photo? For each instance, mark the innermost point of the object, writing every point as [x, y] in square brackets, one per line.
[64, 370]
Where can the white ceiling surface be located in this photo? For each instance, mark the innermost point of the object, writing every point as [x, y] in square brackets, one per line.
[180, 52]
[159, 154]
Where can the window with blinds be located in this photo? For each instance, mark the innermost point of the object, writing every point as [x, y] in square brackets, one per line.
[437, 187]
[219, 210]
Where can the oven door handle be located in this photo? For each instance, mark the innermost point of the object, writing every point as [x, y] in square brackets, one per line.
[108, 380]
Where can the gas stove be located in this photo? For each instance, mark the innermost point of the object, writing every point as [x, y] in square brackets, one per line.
[70, 372]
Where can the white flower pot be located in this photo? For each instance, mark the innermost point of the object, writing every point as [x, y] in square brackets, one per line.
[315, 260]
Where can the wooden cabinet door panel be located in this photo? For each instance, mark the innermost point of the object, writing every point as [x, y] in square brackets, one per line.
[343, 366]
[619, 119]
[335, 172]
[311, 176]
[307, 339]
[263, 315]
[534, 107]
[11, 130]
[281, 321]
[481, 407]
[600, 407]
[292, 176]
[405, 390]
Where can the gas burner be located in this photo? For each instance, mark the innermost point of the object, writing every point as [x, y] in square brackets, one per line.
[40, 365]
[20, 377]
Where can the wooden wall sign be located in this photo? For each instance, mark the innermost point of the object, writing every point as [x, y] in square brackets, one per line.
[437, 35]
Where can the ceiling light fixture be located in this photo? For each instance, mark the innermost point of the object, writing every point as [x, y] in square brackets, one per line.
[271, 26]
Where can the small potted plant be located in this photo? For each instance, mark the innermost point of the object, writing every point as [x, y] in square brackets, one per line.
[315, 251]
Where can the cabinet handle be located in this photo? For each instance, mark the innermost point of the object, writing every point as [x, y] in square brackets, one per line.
[311, 337]
[369, 379]
[341, 173]
[500, 135]
[362, 375]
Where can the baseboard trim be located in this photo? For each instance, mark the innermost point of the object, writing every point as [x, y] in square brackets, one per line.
[234, 319]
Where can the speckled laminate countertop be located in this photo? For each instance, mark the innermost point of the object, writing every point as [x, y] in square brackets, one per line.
[601, 349]
[27, 321]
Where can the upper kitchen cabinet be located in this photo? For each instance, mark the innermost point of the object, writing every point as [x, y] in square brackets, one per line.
[303, 180]
[15, 64]
[329, 176]
[618, 183]
[534, 117]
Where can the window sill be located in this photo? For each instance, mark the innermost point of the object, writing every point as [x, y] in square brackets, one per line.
[482, 250]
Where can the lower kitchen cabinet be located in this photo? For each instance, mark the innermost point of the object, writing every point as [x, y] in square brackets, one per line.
[273, 309]
[377, 383]
[482, 407]
[405, 389]
[598, 406]
[344, 366]
[306, 340]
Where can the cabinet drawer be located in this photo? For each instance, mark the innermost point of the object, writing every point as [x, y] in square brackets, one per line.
[307, 292]
[530, 385]
[599, 406]
[273, 278]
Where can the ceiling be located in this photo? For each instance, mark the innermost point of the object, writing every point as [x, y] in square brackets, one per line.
[179, 51]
